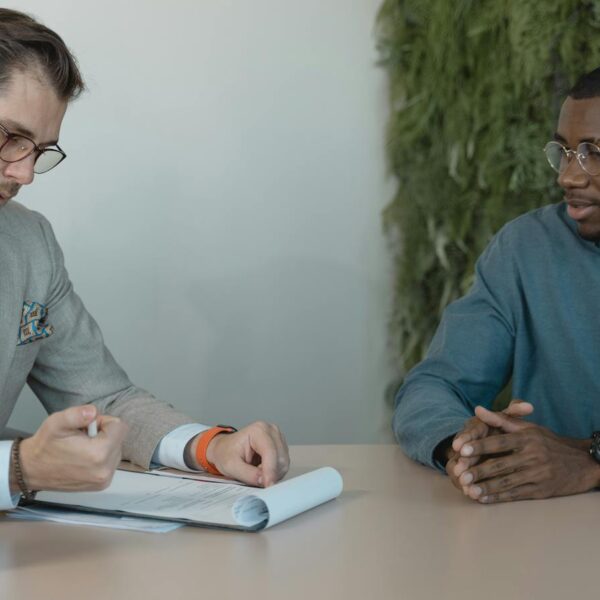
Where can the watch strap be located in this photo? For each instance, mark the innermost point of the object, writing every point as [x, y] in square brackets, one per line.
[204, 440]
[595, 446]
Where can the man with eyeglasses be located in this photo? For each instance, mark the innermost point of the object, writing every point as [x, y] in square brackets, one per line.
[51, 342]
[531, 318]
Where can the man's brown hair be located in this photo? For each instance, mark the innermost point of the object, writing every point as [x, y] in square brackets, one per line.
[26, 44]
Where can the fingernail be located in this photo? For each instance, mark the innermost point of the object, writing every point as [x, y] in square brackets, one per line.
[467, 450]
[466, 478]
[484, 499]
[260, 481]
[476, 491]
[88, 411]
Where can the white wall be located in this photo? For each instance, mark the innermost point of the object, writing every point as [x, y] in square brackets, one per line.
[220, 206]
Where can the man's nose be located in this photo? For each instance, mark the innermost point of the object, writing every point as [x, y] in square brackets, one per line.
[20, 171]
[572, 176]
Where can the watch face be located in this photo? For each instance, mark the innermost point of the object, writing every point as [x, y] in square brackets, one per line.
[595, 447]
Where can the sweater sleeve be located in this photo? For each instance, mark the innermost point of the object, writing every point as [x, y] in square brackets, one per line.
[469, 360]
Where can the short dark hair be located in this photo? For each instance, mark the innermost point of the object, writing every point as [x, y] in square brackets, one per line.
[25, 44]
[587, 86]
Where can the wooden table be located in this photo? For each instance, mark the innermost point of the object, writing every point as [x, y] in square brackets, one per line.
[399, 531]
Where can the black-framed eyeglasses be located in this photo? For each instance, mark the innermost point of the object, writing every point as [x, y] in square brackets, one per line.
[15, 147]
[587, 155]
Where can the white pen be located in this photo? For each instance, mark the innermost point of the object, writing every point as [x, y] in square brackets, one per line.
[92, 429]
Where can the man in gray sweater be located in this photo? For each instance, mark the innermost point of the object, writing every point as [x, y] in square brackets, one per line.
[51, 342]
[531, 315]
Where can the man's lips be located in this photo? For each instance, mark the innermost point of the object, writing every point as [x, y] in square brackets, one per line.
[580, 208]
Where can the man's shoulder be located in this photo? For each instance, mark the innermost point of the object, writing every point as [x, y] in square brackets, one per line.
[26, 237]
[541, 225]
[530, 238]
[18, 221]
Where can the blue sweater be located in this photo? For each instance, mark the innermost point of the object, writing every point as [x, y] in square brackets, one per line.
[533, 313]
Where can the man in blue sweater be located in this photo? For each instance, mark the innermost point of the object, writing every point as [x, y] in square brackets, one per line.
[532, 315]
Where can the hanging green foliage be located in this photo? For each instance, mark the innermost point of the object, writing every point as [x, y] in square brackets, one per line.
[475, 90]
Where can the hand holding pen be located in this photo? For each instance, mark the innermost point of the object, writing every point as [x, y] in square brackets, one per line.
[73, 450]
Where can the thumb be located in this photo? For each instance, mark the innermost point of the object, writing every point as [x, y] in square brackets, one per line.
[500, 420]
[73, 418]
[518, 408]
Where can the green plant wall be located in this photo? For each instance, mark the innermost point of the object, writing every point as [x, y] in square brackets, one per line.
[475, 90]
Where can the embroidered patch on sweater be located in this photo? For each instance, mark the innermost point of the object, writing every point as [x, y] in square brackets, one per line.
[34, 323]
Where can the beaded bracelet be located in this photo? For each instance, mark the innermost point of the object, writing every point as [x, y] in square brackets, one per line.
[26, 493]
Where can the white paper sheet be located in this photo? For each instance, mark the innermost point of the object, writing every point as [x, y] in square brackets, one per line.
[70, 517]
[289, 498]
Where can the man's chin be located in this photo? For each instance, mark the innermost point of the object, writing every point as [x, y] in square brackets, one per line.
[589, 233]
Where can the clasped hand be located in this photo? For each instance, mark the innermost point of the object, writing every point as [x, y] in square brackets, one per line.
[499, 457]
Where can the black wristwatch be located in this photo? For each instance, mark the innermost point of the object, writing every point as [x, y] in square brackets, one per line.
[595, 446]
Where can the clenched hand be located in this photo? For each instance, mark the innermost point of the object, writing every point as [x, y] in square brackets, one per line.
[256, 454]
[61, 456]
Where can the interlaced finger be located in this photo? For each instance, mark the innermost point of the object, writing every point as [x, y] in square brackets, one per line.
[474, 429]
[527, 491]
[494, 444]
[493, 467]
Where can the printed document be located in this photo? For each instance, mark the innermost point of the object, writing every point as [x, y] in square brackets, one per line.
[204, 503]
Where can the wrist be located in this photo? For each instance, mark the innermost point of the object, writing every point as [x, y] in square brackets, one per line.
[211, 448]
[594, 470]
[206, 448]
[593, 476]
[189, 453]
[579, 444]
[191, 450]
[21, 480]
[443, 451]
[12, 477]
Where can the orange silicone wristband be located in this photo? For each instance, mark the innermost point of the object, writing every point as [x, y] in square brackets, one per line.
[203, 441]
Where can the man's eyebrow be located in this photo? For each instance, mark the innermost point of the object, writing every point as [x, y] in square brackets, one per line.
[15, 127]
[561, 139]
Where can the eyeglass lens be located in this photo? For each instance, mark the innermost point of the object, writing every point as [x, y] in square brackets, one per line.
[15, 148]
[47, 160]
[588, 156]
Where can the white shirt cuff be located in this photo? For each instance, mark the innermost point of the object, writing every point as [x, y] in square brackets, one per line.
[7, 501]
[169, 451]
